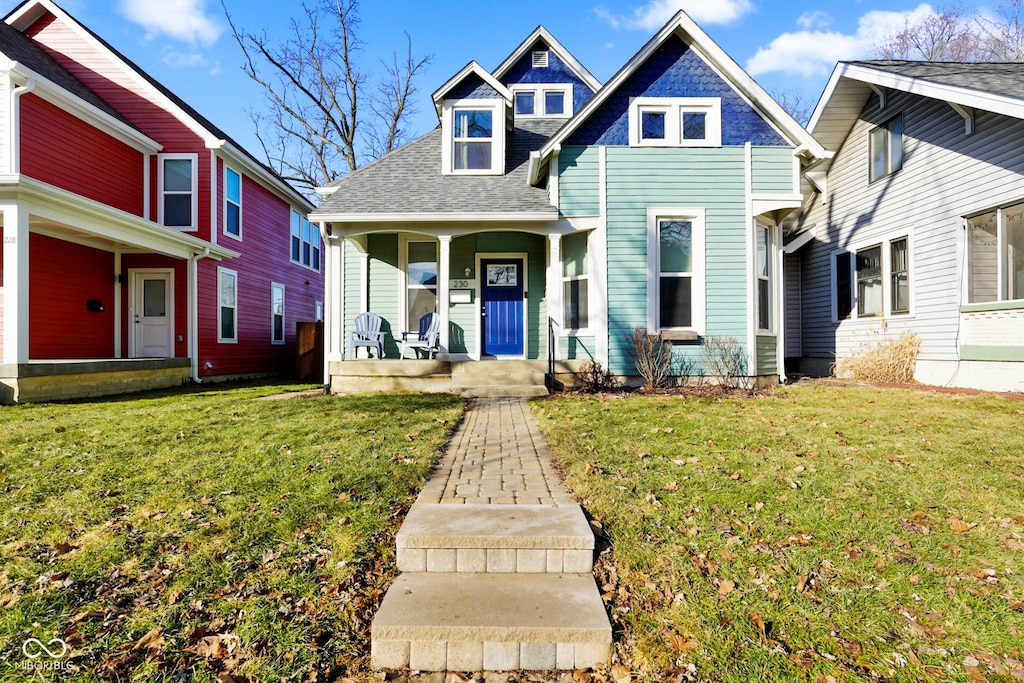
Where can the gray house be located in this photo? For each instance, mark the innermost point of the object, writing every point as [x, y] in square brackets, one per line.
[916, 223]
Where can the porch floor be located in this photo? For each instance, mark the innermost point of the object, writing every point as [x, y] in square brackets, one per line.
[62, 379]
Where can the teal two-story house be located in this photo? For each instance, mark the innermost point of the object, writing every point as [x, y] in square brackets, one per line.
[547, 216]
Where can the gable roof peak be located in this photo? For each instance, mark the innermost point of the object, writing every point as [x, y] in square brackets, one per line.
[471, 69]
[542, 34]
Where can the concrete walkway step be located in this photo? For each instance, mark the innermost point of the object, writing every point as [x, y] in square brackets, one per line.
[491, 622]
[495, 538]
[501, 391]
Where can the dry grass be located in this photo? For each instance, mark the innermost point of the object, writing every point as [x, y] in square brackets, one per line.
[890, 360]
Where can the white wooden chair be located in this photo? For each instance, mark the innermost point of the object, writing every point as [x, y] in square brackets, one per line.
[426, 338]
[368, 334]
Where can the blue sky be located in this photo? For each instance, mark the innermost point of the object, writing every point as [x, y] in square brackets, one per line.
[784, 44]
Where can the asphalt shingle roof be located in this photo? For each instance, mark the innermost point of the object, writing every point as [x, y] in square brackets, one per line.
[1000, 78]
[409, 180]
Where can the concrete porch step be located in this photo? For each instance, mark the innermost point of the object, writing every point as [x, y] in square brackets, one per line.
[501, 391]
[495, 538]
[491, 622]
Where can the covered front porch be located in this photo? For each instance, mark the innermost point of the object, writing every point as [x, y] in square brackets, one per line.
[95, 300]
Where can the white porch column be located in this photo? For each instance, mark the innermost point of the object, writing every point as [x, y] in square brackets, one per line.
[554, 290]
[334, 301]
[117, 303]
[15, 274]
[443, 305]
[192, 303]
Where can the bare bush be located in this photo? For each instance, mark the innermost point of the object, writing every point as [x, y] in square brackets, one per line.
[595, 378]
[726, 360]
[890, 360]
[652, 357]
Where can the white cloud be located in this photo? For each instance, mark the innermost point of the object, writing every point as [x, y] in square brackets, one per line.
[180, 60]
[653, 15]
[816, 20]
[814, 51]
[184, 20]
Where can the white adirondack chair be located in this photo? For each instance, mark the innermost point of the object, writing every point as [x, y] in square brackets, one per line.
[426, 338]
[368, 334]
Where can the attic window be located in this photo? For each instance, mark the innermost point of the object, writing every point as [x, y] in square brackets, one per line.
[540, 59]
[543, 99]
[474, 135]
[675, 121]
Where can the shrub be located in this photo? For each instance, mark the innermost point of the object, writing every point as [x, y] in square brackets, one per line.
[595, 378]
[890, 360]
[725, 359]
[652, 357]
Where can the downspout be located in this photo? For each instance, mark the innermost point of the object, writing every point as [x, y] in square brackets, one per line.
[193, 313]
[14, 143]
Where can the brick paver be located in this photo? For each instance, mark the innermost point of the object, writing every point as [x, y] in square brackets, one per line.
[498, 456]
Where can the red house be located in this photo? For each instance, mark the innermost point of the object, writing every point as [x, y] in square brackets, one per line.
[142, 246]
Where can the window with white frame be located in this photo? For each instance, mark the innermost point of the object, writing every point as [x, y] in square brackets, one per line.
[575, 282]
[474, 137]
[995, 255]
[305, 241]
[675, 122]
[675, 252]
[886, 148]
[873, 280]
[227, 299]
[178, 202]
[276, 313]
[232, 202]
[534, 100]
[764, 277]
[420, 282]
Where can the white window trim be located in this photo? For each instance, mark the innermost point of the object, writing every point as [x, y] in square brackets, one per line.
[1002, 250]
[886, 246]
[674, 107]
[403, 277]
[539, 108]
[770, 249]
[221, 271]
[497, 107]
[302, 241]
[697, 283]
[228, 169]
[577, 331]
[194, 158]
[888, 159]
[284, 314]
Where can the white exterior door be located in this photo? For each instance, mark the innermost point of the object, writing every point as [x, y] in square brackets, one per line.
[152, 314]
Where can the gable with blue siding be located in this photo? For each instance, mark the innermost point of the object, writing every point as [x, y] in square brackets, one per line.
[556, 71]
[676, 70]
[472, 87]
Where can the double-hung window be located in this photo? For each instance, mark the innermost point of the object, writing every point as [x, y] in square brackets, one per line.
[276, 313]
[227, 299]
[575, 282]
[873, 280]
[178, 203]
[304, 242]
[995, 255]
[232, 202]
[764, 275]
[675, 253]
[473, 139]
[420, 282]
[539, 99]
[675, 122]
[886, 148]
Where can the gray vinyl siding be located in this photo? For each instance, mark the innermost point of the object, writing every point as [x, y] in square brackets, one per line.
[767, 360]
[793, 316]
[946, 175]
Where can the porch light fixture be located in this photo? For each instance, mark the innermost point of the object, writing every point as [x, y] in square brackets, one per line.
[469, 272]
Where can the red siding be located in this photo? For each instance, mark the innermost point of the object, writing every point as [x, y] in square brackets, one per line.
[63, 150]
[136, 103]
[130, 261]
[265, 259]
[62, 276]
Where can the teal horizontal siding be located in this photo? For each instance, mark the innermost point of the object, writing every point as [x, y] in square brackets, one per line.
[578, 181]
[383, 287]
[767, 360]
[576, 347]
[772, 169]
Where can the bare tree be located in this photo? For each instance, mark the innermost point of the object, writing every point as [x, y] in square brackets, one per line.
[1003, 34]
[951, 35]
[795, 104]
[314, 126]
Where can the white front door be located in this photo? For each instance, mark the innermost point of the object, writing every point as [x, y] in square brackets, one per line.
[152, 314]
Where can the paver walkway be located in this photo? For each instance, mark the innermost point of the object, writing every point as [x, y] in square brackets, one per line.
[498, 456]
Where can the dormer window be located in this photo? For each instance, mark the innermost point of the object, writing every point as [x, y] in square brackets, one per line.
[675, 122]
[541, 99]
[474, 136]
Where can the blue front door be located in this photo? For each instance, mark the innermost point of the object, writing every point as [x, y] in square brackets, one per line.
[501, 307]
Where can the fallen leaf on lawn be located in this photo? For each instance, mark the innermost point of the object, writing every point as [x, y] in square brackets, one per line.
[652, 499]
[914, 579]
[726, 587]
[956, 550]
[671, 486]
[958, 526]
[736, 475]
[899, 542]
[152, 641]
[620, 674]
[65, 548]
[681, 643]
[728, 555]
[173, 596]
[90, 614]
[1017, 606]
[1013, 544]
[758, 624]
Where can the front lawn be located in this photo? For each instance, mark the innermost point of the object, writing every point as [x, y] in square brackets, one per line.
[819, 533]
[200, 532]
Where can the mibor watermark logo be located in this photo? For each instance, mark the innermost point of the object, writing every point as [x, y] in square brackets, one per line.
[44, 656]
